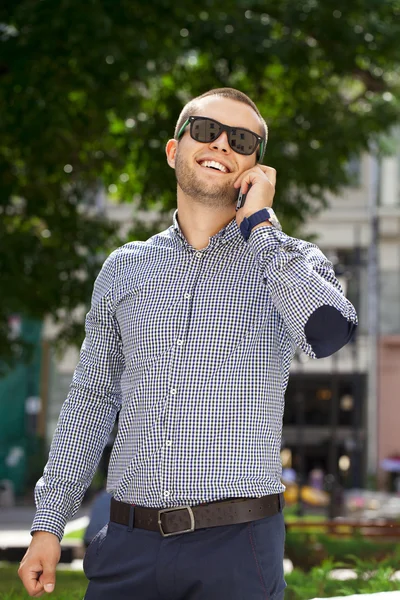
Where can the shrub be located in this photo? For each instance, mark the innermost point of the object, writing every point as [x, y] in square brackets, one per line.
[318, 583]
[321, 547]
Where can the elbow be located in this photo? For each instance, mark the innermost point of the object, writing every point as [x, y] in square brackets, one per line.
[327, 330]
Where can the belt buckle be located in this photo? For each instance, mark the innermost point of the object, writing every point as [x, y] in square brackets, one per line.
[166, 510]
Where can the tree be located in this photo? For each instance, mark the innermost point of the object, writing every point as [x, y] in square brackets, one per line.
[90, 92]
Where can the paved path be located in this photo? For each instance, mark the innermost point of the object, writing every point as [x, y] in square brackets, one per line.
[15, 524]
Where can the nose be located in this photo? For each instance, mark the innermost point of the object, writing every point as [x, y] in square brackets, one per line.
[221, 143]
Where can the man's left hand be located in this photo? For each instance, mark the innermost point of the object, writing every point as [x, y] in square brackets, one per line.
[262, 180]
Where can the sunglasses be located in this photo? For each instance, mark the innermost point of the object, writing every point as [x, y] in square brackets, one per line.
[242, 141]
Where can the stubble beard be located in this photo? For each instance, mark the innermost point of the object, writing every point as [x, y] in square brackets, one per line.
[221, 195]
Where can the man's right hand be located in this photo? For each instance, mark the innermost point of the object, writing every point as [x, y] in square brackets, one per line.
[37, 570]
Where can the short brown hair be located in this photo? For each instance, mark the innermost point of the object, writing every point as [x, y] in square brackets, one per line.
[191, 107]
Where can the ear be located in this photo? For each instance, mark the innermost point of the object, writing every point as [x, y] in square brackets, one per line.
[170, 150]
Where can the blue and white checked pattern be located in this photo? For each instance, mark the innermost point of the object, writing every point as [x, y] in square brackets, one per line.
[194, 349]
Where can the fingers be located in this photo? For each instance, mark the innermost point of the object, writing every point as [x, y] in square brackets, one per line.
[38, 567]
[30, 577]
[37, 581]
[37, 594]
[270, 172]
[248, 176]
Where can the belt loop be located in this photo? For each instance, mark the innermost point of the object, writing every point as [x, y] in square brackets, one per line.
[131, 518]
[281, 501]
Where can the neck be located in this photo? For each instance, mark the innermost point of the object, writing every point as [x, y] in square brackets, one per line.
[199, 223]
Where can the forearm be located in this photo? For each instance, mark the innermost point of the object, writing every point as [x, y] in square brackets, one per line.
[80, 437]
[88, 414]
[305, 291]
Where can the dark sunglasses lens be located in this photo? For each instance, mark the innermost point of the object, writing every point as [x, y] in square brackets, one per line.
[205, 130]
[242, 141]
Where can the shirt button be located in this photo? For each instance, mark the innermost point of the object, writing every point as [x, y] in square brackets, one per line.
[179, 342]
[187, 296]
[167, 494]
[173, 392]
[199, 254]
[168, 443]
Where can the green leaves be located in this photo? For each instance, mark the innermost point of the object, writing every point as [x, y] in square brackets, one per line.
[90, 93]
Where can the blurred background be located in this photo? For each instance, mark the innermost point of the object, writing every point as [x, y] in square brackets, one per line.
[89, 95]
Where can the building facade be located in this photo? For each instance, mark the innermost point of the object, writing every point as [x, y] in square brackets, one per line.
[341, 412]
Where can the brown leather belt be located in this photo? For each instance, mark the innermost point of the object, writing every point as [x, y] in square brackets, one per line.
[184, 519]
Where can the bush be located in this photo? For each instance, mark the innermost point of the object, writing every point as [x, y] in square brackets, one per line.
[318, 583]
[321, 546]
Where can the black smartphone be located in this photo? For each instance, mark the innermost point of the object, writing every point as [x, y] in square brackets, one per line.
[242, 198]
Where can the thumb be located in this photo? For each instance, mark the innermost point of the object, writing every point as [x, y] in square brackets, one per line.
[48, 577]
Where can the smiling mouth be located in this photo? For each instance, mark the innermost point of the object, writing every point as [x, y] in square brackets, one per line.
[214, 165]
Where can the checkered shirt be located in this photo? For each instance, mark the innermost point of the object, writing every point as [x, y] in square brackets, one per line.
[193, 349]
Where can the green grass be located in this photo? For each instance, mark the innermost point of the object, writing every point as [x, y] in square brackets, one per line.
[70, 585]
[75, 535]
[291, 514]
[304, 519]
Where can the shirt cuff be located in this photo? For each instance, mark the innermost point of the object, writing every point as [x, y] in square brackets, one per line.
[49, 520]
[266, 239]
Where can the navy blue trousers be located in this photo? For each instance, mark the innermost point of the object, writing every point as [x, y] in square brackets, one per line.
[235, 562]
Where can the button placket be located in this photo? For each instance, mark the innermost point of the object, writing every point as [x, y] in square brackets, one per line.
[167, 480]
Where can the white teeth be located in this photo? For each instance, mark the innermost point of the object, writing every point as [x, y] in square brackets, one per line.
[214, 164]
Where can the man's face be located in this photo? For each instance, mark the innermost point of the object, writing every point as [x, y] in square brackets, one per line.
[196, 177]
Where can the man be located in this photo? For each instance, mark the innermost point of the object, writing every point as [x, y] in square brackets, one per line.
[190, 336]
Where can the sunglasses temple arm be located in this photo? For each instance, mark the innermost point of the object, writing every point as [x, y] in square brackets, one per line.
[262, 150]
[182, 129]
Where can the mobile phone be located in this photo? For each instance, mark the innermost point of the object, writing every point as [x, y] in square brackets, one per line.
[242, 198]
